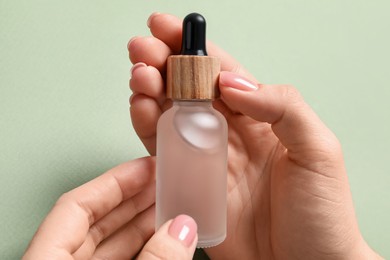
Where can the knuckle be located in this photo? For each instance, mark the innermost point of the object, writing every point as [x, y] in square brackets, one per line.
[291, 94]
[237, 68]
[72, 201]
[98, 233]
[139, 232]
[290, 100]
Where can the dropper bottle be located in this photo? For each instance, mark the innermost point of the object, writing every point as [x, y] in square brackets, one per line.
[191, 171]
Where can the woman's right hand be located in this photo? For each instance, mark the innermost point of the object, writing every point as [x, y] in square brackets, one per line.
[288, 192]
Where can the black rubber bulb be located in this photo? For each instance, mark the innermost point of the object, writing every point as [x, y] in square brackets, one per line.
[194, 35]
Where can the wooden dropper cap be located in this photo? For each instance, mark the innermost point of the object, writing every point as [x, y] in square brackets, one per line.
[193, 75]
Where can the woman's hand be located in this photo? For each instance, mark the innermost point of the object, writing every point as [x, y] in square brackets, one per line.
[288, 193]
[112, 217]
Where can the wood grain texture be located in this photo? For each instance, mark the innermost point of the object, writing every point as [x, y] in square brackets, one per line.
[192, 77]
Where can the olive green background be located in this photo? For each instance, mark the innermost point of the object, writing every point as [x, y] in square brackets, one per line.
[64, 74]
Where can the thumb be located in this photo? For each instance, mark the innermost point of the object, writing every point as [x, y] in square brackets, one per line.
[295, 124]
[176, 239]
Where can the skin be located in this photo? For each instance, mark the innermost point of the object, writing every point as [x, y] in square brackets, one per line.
[288, 192]
[110, 217]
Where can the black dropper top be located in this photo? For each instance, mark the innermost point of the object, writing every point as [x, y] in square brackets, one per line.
[194, 35]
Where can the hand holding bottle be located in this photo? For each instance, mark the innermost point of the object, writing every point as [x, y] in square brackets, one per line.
[288, 193]
[112, 217]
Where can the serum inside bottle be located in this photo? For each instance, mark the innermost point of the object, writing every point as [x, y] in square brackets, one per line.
[191, 171]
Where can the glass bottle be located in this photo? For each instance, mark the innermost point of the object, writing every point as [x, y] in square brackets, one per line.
[191, 171]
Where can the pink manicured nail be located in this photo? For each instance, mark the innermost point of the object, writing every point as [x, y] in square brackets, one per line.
[136, 66]
[148, 23]
[183, 228]
[236, 81]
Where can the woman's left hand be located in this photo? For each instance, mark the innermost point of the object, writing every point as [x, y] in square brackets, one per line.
[112, 217]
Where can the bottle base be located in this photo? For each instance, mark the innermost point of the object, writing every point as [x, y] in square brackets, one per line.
[211, 242]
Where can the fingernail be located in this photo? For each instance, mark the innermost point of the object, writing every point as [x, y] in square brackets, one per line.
[236, 81]
[148, 23]
[131, 40]
[183, 228]
[136, 66]
[131, 98]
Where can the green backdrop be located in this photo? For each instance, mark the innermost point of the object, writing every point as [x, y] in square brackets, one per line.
[64, 74]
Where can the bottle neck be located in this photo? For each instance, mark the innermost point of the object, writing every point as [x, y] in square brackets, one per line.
[193, 103]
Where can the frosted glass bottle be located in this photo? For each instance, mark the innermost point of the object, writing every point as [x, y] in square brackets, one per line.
[191, 173]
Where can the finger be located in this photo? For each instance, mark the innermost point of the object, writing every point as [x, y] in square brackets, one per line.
[116, 219]
[295, 124]
[66, 226]
[147, 80]
[176, 239]
[168, 29]
[149, 50]
[145, 112]
[128, 241]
